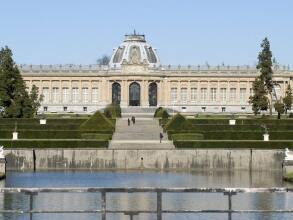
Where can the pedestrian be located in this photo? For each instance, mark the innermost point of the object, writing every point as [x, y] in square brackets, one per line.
[128, 121]
[161, 137]
[132, 119]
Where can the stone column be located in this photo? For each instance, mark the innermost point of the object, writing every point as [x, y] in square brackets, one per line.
[124, 93]
[103, 91]
[144, 93]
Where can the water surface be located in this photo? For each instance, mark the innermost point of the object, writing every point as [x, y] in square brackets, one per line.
[141, 201]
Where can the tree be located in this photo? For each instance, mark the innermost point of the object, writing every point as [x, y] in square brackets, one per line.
[259, 100]
[35, 99]
[280, 108]
[104, 60]
[15, 101]
[288, 99]
[265, 67]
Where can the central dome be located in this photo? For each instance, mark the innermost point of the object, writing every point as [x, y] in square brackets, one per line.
[134, 50]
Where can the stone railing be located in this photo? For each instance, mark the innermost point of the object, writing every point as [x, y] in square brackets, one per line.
[96, 67]
[159, 211]
[62, 68]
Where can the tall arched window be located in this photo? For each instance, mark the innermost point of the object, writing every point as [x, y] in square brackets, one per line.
[134, 94]
[116, 93]
[153, 94]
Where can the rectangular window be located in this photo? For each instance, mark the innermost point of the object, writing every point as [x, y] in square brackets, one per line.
[46, 95]
[85, 109]
[85, 98]
[65, 95]
[242, 95]
[75, 95]
[203, 94]
[193, 94]
[65, 109]
[223, 94]
[251, 92]
[213, 94]
[232, 94]
[55, 95]
[183, 95]
[173, 95]
[95, 92]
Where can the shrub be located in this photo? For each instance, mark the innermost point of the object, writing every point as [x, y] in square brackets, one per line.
[178, 123]
[165, 114]
[113, 111]
[158, 112]
[97, 122]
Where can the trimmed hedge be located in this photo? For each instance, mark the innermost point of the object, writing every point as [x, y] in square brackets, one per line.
[226, 135]
[41, 127]
[158, 112]
[39, 134]
[161, 113]
[234, 144]
[200, 128]
[96, 136]
[78, 143]
[34, 121]
[97, 122]
[187, 136]
[112, 111]
[246, 121]
[178, 123]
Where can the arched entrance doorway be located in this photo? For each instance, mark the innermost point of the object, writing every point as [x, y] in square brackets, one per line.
[153, 94]
[134, 94]
[116, 93]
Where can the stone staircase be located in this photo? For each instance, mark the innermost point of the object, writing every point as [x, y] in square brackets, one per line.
[144, 134]
[138, 112]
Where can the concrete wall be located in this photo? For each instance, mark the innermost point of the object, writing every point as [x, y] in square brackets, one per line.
[209, 159]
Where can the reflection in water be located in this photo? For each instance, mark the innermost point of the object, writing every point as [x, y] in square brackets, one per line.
[143, 201]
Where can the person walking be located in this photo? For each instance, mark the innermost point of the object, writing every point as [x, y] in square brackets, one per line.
[161, 137]
[133, 119]
[128, 121]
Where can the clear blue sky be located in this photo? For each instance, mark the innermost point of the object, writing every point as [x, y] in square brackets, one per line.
[184, 32]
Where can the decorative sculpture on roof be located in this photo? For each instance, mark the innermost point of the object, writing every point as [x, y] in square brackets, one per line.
[134, 55]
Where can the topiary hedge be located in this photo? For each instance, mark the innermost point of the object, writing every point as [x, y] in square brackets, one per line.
[51, 143]
[97, 122]
[158, 112]
[280, 144]
[112, 111]
[246, 121]
[187, 136]
[178, 123]
[96, 136]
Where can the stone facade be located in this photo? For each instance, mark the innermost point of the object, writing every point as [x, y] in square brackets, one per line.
[135, 77]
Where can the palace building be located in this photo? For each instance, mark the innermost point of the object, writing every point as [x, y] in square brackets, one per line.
[135, 77]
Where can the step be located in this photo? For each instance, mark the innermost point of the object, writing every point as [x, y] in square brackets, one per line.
[140, 144]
